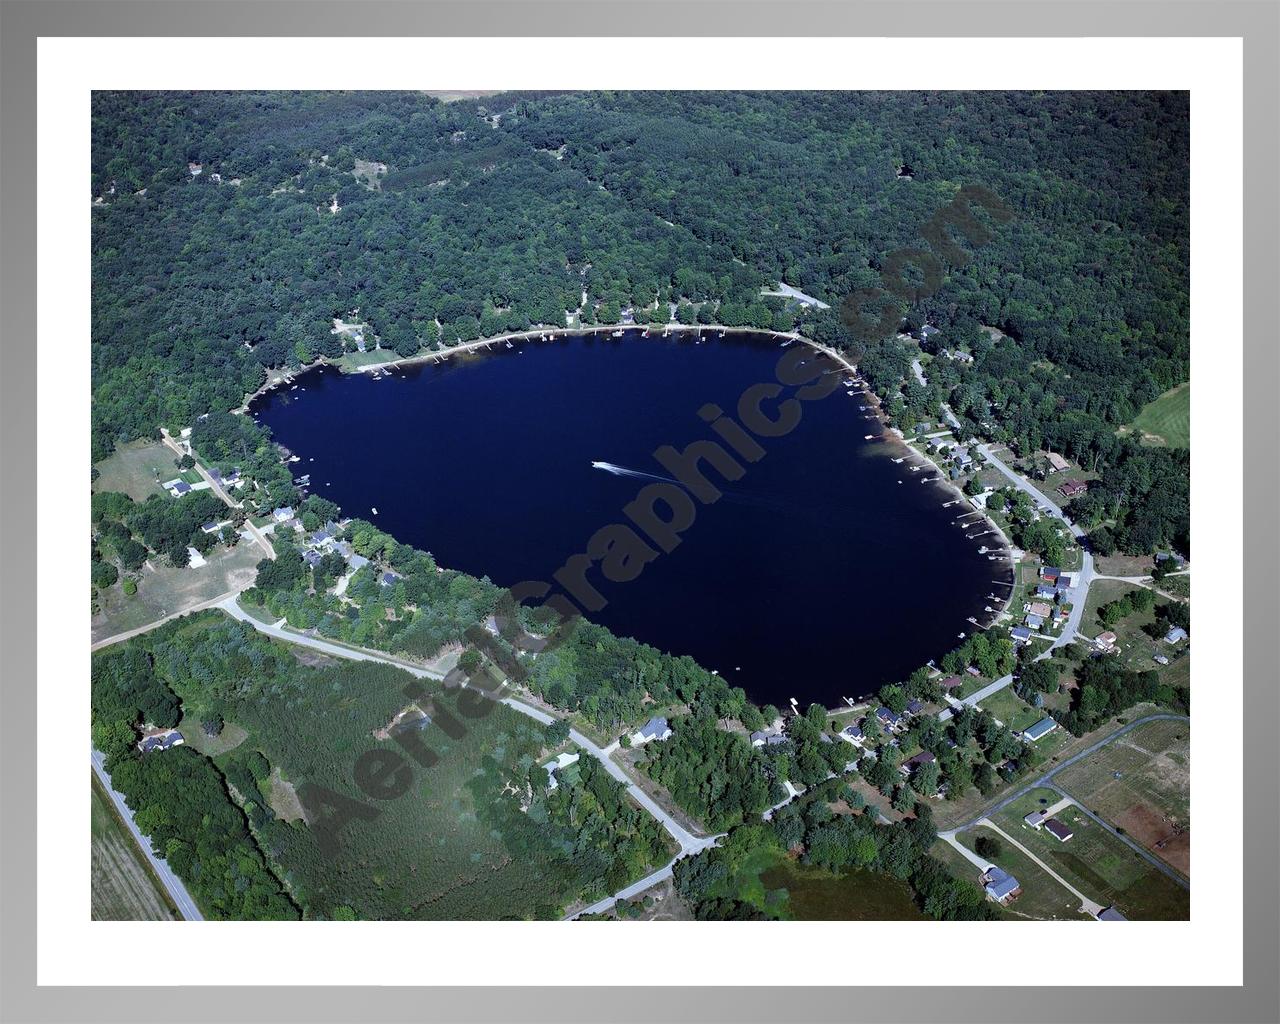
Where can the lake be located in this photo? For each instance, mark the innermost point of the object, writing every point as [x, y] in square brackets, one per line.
[826, 571]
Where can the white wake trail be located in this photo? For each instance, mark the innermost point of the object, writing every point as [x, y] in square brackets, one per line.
[609, 467]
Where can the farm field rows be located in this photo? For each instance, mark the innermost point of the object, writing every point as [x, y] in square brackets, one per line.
[123, 887]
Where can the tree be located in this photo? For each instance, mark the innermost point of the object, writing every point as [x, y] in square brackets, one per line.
[555, 733]
[988, 846]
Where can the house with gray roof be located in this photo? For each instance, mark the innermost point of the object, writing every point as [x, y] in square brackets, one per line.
[1000, 885]
[1041, 729]
[654, 729]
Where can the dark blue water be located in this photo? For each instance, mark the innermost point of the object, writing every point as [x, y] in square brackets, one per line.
[818, 576]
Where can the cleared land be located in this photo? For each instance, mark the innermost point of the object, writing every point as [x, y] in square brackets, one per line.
[137, 469]
[1141, 785]
[122, 887]
[1135, 648]
[164, 590]
[1167, 420]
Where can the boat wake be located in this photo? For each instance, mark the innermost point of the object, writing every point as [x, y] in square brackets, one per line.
[609, 467]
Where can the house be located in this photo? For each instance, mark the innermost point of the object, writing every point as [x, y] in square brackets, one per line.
[1073, 488]
[1160, 659]
[319, 537]
[1035, 819]
[1000, 885]
[654, 729]
[951, 683]
[160, 739]
[560, 762]
[914, 707]
[1175, 635]
[888, 718]
[1047, 592]
[909, 766]
[1066, 579]
[974, 671]
[194, 167]
[928, 331]
[1057, 462]
[1034, 621]
[1169, 556]
[357, 561]
[194, 559]
[1105, 641]
[769, 737]
[177, 487]
[1050, 573]
[851, 733]
[1111, 914]
[1041, 609]
[312, 558]
[282, 514]
[1041, 729]
[388, 578]
[1057, 829]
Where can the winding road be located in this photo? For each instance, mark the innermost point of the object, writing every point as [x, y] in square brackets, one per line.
[173, 884]
[689, 843]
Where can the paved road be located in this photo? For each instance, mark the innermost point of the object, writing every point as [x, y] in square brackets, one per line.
[1045, 781]
[1091, 907]
[1042, 781]
[635, 889]
[1084, 577]
[226, 498]
[212, 602]
[689, 843]
[172, 883]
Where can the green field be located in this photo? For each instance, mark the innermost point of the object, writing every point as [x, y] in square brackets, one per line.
[137, 470]
[1042, 899]
[1167, 420]
[466, 839]
[123, 887]
[1141, 783]
[1100, 865]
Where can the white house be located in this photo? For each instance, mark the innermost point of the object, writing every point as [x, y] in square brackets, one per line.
[654, 729]
[561, 761]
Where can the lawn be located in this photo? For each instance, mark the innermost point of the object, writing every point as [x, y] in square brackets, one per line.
[1101, 866]
[1042, 899]
[1167, 420]
[122, 887]
[1011, 709]
[1135, 648]
[1141, 784]
[137, 469]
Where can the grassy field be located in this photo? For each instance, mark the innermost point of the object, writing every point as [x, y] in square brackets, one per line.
[1101, 866]
[1167, 420]
[1135, 648]
[1141, 784]
[1042, 899]
[134, 469]
[164, 590]
[1011, 709]
[123, 887]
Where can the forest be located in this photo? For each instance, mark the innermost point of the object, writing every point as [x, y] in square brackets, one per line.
[233, 229]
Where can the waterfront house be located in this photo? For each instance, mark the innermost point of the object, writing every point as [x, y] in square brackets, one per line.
[914, 707]
[282, 514]
[1047, 592]
[1020, 634]
[888, 718]
[1034, 621]
[1050, 573]
[654, 729]
[951, 683]
[770, 737]
[1041, 609]
[851, 733]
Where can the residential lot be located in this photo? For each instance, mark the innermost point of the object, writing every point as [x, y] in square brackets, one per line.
[1042, 899]
[1141, 784]
[122, 887]
[1134, 647]
[1096, 862]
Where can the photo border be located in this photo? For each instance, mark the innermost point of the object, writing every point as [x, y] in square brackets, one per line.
[1257, 23]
